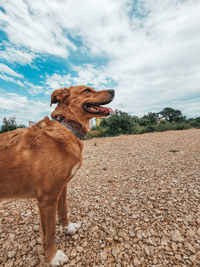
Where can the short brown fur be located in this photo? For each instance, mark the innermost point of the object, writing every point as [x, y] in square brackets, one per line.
[37, 162]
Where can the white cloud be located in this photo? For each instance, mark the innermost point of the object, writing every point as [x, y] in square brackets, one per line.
[5, 69]
[10, 79]
[153, 52]
[19, 55]
[97, 76]
[24, 109]
[30, 87]
[13, 101]
[45, 25]
[56, 81]
[85, 74]
[33, 89]
[190, 107]
[155, 58]
[37, 30]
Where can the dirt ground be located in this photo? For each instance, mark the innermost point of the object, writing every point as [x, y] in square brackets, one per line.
[137, 198]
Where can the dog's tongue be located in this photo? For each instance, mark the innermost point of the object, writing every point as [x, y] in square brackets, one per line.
[105, 110]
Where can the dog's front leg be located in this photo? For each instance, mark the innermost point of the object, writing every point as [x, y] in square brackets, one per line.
[47, 208]
[71, 228]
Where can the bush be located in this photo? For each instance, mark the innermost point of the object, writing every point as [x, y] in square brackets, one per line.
[195, 122]
[144, 129]
[123, 123]
[119, 123]
[99, 132]
[10, 125]
[161, 127]
[172, 115]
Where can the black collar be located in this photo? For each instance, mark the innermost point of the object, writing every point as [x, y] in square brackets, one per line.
[75, 127]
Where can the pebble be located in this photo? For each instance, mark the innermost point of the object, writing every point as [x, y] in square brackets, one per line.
[178, 257]
[142, 210]
[176, 236]
[191, 248]
[136, 262]
[104, 255]
[79, 249]
[115, 251]
[191, 233]
[36, 228]
[174, 246]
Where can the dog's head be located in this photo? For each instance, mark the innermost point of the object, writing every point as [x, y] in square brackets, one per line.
[83, 101]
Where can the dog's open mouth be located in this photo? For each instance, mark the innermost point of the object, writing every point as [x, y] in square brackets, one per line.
[97, 109]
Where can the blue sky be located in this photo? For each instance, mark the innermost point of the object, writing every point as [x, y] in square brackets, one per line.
[147, 50]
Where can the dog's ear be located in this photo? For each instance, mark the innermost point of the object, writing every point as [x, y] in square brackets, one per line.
[59, 95]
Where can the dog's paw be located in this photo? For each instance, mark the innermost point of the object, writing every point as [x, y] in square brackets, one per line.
[72, 228]
[59, 259]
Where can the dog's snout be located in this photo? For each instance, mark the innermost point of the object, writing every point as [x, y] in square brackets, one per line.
[112, 92]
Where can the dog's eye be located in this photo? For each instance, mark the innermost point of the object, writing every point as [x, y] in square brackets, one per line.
[87, 90]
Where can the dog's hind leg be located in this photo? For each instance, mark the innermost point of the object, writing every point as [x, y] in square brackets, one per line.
[71, 228]
[63, 208]
[47, 208]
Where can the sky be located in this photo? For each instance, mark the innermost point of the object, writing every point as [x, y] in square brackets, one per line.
[147, 50]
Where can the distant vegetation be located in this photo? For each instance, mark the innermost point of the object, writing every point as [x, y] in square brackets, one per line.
[10, 124]
[123, 123]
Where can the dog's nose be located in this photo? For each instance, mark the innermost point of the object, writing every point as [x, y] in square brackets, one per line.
[112, 92]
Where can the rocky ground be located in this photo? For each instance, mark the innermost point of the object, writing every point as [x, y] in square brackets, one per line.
[137, 197]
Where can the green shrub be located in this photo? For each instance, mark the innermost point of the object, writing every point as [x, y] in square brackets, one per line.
[119, 123]
[161, 127]
[10, 125]
[195, 123]
[123, 123]
[99, 132]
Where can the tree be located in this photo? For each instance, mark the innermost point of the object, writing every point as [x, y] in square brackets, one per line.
[195, 122]
[149, 119]
[136, 119]
[172, 115]
[119, 123]
[10, 125]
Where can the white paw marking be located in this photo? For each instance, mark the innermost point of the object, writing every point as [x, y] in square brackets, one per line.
[72, 228]
[59, 259]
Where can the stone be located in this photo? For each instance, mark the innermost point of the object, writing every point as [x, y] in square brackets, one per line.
[79, 249]
[191, 233]
[147, 251]
[191, 248]
[198, 231]
[178, 257]
[32, 243]
[164, 241]
[142, 211]
[115, 250]
[136, 262]
[174, 246]
[103, 255]
[176, 236]
[36, 228]
[192, 258]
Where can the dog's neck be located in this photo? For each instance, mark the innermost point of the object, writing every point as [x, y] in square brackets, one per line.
[75, 127]
[71, 119]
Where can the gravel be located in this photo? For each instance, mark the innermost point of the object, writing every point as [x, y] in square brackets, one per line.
[137, 198]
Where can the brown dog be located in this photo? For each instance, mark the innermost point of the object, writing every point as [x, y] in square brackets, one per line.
[39, 161]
